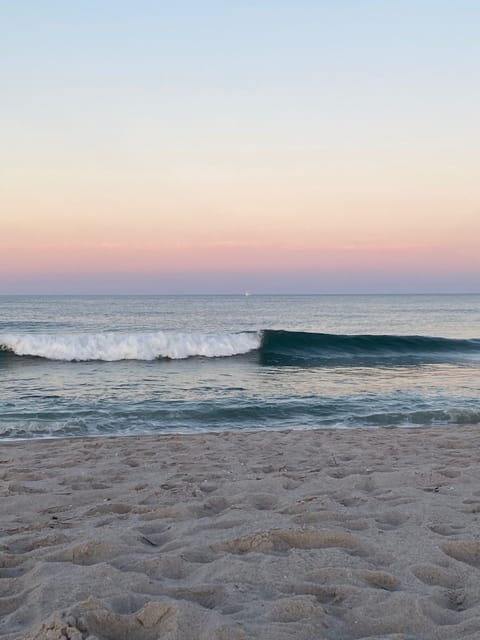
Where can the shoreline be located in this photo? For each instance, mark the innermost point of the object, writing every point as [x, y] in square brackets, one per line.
[246, 430]
[234, 535]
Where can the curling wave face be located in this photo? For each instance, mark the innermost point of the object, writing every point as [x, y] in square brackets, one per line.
[324, 349]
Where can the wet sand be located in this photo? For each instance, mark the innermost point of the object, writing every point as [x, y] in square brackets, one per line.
[305, 535]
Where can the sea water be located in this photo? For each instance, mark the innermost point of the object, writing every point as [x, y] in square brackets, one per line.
[98, 365]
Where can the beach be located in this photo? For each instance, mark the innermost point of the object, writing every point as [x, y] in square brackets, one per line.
[305, 534]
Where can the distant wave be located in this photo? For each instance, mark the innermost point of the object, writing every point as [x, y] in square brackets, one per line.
[274, 347]
[128, 346]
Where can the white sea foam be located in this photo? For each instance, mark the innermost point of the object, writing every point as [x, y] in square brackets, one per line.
[129, 346]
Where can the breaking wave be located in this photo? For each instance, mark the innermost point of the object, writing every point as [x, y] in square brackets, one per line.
[274, 347]
[128, 346]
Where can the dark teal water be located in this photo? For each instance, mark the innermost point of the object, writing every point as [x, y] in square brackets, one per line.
[123, 365]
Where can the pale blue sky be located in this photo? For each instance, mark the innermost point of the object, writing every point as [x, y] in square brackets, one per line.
[318, 123]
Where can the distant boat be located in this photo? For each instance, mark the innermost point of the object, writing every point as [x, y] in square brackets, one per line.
[247, 293]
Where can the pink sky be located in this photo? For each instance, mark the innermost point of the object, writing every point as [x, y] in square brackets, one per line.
[317, 141]
[249, 230]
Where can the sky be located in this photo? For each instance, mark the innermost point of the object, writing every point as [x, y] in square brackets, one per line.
[315, 146]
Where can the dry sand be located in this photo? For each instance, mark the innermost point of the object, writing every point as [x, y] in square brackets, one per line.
[304, 534]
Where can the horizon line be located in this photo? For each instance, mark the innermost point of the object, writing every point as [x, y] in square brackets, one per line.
[243, 294]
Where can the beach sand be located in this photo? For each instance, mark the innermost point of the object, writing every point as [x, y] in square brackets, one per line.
[327, 534]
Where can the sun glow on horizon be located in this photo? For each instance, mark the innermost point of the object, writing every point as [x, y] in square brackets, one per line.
[245, 141]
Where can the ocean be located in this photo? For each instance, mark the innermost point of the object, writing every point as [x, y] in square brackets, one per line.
[124, 365]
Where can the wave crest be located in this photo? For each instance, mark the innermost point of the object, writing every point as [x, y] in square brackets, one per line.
[275, 347]
[129, 346]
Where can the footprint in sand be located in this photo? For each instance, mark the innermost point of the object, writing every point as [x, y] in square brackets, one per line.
[327, 595]
[154, 620]
[229, 633]
[19, 487]
[440, 615]
[472, 505]
[207, 487]
[453, 599]
[155, 568]
[173, 513]
[207, 596]
[263, 502]
[468, 552]
[435, 576]
[32, 543]
[88, 553]
[284, 539]
[446, 529]
[380, 580]
[110, 507]
[296, 609]
[199, 556]
[449, 472]
[12, 566]
[173, 567]
[156, 535]
[220, 524]
[391, 520]
[213, 506]
[354, 501]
